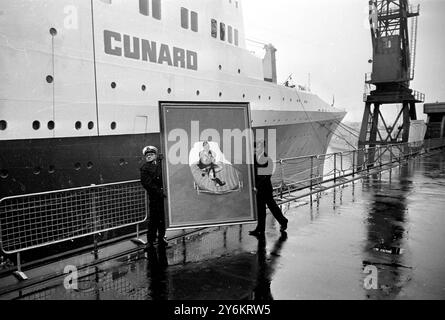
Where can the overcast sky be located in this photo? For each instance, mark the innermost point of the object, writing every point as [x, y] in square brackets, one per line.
[330, 39]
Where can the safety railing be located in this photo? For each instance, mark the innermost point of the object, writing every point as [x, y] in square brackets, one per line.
[419, 96]
[41, 219]
[299, 177]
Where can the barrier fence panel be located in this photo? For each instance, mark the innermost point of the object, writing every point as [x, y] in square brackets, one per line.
[41, 219]
[293, 174]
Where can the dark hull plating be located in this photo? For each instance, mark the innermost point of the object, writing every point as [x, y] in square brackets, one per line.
[39, 165]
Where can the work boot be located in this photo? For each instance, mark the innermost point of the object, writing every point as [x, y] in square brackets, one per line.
[284, 226]
[149, 245]
[256, 233]
[162, 241]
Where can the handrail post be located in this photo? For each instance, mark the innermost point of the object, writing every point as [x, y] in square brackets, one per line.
[390, 162]
[341, 162]
[19, 273]
[380, 154]
[282, 178]
[335, 167]
[353, 164]
[311, 182]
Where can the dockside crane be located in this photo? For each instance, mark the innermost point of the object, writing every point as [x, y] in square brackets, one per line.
[394, 49]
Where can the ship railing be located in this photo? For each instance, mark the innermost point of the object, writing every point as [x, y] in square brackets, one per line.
[419, 96]
[305, 176]
[42, 219]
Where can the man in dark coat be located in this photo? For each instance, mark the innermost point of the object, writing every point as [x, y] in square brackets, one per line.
[263, 167]
[151, 179]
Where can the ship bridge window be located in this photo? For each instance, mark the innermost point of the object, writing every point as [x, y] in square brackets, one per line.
[214, 28]
[236, 37]
[144, 6]
[184, 18]
[194, 21]
[230, 34]
[156, 8]
[222, 31]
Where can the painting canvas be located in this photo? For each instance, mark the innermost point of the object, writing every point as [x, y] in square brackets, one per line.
[208, 164]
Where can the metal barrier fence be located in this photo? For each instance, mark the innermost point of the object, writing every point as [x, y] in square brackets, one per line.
[313, 171]
[40, 219]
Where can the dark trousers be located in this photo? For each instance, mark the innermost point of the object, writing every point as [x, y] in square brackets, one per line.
[265, 197]
[156, 222]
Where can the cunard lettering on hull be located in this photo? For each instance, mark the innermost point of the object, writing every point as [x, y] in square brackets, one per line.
[117, 44]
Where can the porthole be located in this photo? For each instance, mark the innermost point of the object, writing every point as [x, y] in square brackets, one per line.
[197, 92]
[169, 90]
[113, 85]
[220, 94]
[143, 87]
[113, 125]
[90, 125]
[269, 98]
[49, 79]
[259, 97]
[36, 125]
[36, 170]
[89, 165]
[53, 31]
[77, 166]
[51, 125]
[51, 169]
[220, 67]
[78, 125]
[4, 173]
[239, 70]
[244, 95]
[3, 125]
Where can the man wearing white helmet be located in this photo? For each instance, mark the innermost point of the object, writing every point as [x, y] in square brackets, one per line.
[151, 179]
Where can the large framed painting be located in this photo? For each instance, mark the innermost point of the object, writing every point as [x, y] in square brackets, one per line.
[208, 164]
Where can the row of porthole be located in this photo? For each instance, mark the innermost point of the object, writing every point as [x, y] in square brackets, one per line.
[52, 169]
[279, 120]
[169, 90]
[51, 125]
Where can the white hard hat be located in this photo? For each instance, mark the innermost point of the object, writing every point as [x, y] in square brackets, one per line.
[148, 149]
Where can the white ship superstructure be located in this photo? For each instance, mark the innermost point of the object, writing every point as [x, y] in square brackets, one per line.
[82, 81]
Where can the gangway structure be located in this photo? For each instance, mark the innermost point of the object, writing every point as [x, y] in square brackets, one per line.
[392, 70]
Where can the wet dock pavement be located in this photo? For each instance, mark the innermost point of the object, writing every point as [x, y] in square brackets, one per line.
[393, 223]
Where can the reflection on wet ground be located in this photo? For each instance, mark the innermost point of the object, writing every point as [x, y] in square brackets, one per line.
[395, 225]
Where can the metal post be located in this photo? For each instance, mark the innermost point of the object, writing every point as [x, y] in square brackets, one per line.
[312, 172]
[341, 162]
[335, 167]
[282, 178]
[390, 163]
[138, 240]
[380, 162]
[353, 164]
[19, 273]
[93, 213]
